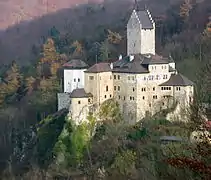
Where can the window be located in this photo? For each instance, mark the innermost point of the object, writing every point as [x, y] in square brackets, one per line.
[155, 97]
[145, 78]
[105, 96]
[133, 89]
[133, 78]
[114, 76]
[165, 88]
[79, 102]
[165, 76]
[78, 79]
[114, 88]
[118, 88]
[110, 95]
[143, 97]
[74, 80]
[133, 98]
[143, 89]
[89, 100]
[153, 88]
[91, 77]
[119, 97]
[128, 77]
[150, 105]
[106, 88]
[118, 76]
[178, 88]
[124, 98]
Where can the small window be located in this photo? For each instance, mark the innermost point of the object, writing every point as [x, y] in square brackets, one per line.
[110, 95]
[178, 88]
[114, 88]
[124, 98]
[78, 79]
[105, 96]
[130, 98]
[155, 97]
[163, 103]
[133, 78]
[169, 88]
[143, 97]
[114, 76]
[150, 105]
[89, 100]
[118, 88]
[79, 102]
[133, 98]
[119, 97]
[153, 88]
[74, 80]
[91, 77]
[106, 88]
[118, 76]
[133, 89]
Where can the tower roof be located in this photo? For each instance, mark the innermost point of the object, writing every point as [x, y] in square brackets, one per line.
[144, 19]
[75, 64]
[100, 67]
[178, 80]
[80, 93]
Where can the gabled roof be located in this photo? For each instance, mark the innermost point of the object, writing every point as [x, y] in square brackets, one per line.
[75, 64]
[100, 67]
[80, 93]
[144, 19]
[178, 80]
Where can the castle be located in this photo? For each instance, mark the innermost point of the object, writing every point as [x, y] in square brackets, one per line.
[142, 82]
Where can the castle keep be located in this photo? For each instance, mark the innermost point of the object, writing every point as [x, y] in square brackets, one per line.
[142, 82]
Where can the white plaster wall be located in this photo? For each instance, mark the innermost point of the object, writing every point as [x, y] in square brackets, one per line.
[71, 77]
[172, 64]
[148, 41]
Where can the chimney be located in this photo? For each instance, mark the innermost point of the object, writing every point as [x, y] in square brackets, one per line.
[111, 66]
[120, 57]
[131, 57]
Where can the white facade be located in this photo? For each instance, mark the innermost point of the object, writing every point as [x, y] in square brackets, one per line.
[140, 40]
[73, 78]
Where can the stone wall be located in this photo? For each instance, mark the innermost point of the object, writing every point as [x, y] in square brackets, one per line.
[63, 100]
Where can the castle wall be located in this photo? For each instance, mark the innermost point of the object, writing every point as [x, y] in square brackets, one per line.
[100, 85]
[63, 100]
[79, 109]
[148, 41]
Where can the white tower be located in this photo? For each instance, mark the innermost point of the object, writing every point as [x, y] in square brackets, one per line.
[74, 75]
[140, 33]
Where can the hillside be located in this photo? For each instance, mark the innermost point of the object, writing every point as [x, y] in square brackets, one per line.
[13, 12]
[19, 39]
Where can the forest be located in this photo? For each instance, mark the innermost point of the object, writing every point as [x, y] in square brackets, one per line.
[37, 142]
